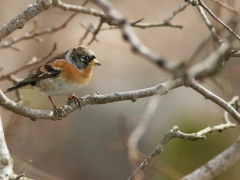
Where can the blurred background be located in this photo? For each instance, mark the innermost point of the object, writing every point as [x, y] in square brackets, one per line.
[77, 147]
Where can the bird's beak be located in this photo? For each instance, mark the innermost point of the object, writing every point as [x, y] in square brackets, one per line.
[94, 62]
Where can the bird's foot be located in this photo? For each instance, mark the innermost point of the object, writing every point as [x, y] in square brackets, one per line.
[59, 112]
[76, 99]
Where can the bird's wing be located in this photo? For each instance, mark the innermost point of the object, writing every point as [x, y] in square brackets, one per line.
[42, 72]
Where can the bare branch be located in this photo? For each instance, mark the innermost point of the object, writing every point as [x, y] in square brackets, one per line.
[34, 114]
[209, 95]
[208, 24]
[6, 165]
[19, 21]
[217, 165]
[218, 20]
[231, 9]
[233, 102]
[165, 22]
[176, 133]
[212, 64]
[129, 35]
[96, 31]
[34, 33]
[34, 62]
[81, 9]
[140, 130]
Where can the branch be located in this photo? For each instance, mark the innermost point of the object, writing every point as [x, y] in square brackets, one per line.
[207, 22]
[81, 9]
[218, 20]
[6, 162]
[212, 64]
[217, 165]
[33, 62]
[165, 22]
[35, 33]
[209, 95]
[224, 5]
[176, 133]
[129, 35]
[35, 114]
[19, 21]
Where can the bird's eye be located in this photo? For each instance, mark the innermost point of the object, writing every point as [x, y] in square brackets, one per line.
[92, 57]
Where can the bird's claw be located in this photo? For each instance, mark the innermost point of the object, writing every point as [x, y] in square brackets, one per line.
[59, 112]
[76, 99]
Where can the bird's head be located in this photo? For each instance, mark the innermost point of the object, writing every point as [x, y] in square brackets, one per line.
[81, 57]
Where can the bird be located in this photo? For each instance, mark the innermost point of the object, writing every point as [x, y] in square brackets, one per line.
[62, 75]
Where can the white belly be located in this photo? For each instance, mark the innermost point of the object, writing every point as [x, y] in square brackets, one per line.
[56, 87]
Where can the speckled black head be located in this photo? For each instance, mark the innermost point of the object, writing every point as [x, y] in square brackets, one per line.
[81, 57]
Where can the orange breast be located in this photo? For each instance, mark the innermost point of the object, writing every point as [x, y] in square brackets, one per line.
[73, 74]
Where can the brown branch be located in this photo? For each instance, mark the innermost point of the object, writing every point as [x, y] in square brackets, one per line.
[96, 31]
[218, 165]
[34, 33]
[31, 63]
[165, 22]
[88, 29]
[19, 21]
[6, 165]
[212, 64]
[218, 20]
[229, 8]
[176, 133]
[129, 35]
[35, 114]
[211, 96]
[207, 22]
[81, 9]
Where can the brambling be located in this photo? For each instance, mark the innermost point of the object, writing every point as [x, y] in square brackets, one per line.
[62, 75]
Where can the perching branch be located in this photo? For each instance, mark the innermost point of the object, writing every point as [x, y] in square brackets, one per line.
[35, 114]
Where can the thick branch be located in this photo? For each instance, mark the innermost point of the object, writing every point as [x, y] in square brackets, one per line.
[218, 165]
[6, 162]
[19, 21]
[34, 114]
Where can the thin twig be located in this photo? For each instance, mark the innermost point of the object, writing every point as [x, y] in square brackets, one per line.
[218, 20]
[85, 2]
[90, 26]
[208, 24]
[31, 63]
[176, 133]
[129, 35]
[96, 31]
[35, 33]
[182, 7]
[229, 8]
[211, 96]
[233, 102]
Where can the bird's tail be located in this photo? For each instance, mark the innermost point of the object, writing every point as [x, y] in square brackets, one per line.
[16, 87]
